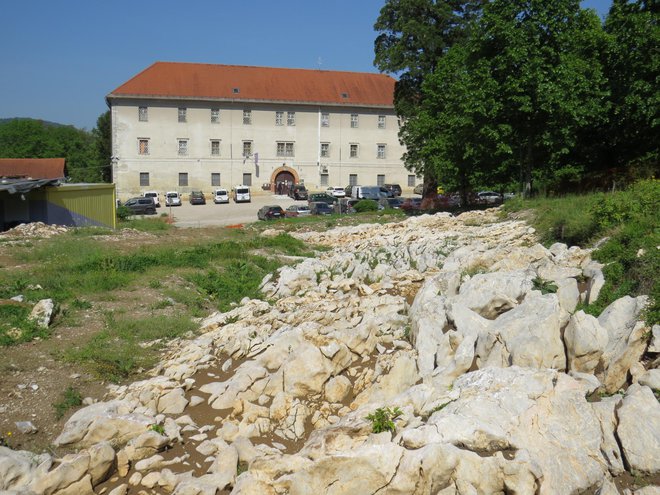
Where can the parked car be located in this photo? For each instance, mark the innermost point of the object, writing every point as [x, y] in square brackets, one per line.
[220, 196]
[241, 194]
[172, 198]
[154, 195]
[324, 197]
[336, 191]
[489, 197]
[395, 189]
[298, 191]
[366, 192]
[394, 203]
[508, 195]
[385, 192]
[297, 211]
[197, 198]
[270, 212]
[419, 189]
[141, 206]
[321, 208]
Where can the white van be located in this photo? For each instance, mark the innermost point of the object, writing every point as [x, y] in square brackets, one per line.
[220, 196]
[153, 195]
[366, 192]
[172, 198]
[241, 194]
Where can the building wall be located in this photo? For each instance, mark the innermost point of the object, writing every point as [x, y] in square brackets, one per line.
[163, 163]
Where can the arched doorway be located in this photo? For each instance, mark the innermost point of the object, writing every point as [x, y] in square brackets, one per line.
[283, 179]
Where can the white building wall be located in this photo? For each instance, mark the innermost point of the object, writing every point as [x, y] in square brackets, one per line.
[163, 164]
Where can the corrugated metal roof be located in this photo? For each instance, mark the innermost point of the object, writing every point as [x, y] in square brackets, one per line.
[32, 168]
[235, 82]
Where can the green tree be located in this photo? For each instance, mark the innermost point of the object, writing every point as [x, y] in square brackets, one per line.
[632, 62]
[413, 37]
[540, 61]
[103, 145]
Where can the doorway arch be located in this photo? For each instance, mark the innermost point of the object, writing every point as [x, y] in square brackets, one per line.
[282, 179]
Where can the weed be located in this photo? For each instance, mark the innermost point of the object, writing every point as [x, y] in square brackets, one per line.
[406, 332]
[160, 429]
[440, 407]
[81, 304]
[5, 440]
[16, 327]
[241, 467]
[70, 398]
[382, 419]
[232, 319]
[545, 286]
[155, 284]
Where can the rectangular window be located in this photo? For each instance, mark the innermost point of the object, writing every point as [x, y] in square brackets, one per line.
[247, 149]
[381, 121]
[291, 118]
[143, 116]
[215, 116]
[215, 147]
[144, 179]
[183, 178]
[215, 179]
[411, 181]
[279, 118]
[325, 150]
[380, 180]
[285, 149]
[247, 179]
[182, 114]
[325, 119]
[352, 180]
[354, 151]
[324, 179]
[247, 117]
[143, 146]
[183, 147]
[380, 153]
[354, 120]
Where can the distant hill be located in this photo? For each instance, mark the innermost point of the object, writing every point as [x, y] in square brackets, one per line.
[45, 122]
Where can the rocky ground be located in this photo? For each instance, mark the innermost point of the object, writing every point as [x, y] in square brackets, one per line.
[463, 332]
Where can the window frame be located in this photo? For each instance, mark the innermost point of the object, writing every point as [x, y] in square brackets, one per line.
[143, 114]
[247, 144]
[381, 121]
[247, 117]
[411, 180]
[144, 175]
[182, 147]
[380, 180]
[279, 118]
[381, 151]
[142, 152]
[183, 179]
[215, 116]
[325, 150]
[355, 121]
[325, 119]
[182, 115]
[352, 179]
[324, 179]
[288, 149]
[215, 175]
[351, 148]
[215, 143]
[291, 119]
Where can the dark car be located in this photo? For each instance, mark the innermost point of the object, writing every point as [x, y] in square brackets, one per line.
[489, 197]
[321, 208]
[322, 197]
[394, 203]
[141, 206]
[299, 191]
[395, 189]
[270, 213]
[197, 198]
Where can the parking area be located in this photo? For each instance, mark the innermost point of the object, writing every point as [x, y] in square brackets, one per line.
[212, 214]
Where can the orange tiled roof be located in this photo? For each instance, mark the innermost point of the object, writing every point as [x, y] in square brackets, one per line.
[33, 168]
[236, 82]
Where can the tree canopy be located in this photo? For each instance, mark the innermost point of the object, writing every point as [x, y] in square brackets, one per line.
[87, 154]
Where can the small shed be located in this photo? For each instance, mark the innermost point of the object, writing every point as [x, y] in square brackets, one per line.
[35, 190]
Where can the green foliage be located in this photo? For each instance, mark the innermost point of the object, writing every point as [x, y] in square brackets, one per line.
[15, 327]
[123, 213]
[160, 429]
[147, 224]
[70, 398]
[119, 351]
[78, 303]
[382, 419]
[365, 205]
[545, 286]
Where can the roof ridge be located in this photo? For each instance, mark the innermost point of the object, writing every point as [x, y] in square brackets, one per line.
[259, 67]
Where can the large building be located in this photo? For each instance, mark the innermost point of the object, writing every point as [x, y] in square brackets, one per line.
[183, 126]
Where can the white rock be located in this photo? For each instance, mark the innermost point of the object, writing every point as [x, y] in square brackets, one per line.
[337, 389]
[639, 429]
[585, 341]
[42, 313]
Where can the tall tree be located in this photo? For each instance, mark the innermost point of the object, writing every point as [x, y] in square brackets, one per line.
[544, 59]
[413, 37]
[633, 69]
[103, 145]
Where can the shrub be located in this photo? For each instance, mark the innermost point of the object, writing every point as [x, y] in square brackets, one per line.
[366, 205]
[382, 419]
[123, 213]
[70, 398]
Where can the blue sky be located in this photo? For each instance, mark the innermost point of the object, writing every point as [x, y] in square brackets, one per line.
[60, 58]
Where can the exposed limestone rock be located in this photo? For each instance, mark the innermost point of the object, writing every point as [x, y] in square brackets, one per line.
[42, 313]
[586, 341]
[640, 440]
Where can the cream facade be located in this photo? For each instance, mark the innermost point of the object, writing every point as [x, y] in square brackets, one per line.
[191, 144]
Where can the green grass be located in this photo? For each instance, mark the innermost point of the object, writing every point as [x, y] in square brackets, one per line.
[159, 224]
[70, 398]
[118, 351]
[15, 327]
[629, 219]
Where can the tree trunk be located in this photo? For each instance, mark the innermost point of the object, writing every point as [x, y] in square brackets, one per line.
[529, 160]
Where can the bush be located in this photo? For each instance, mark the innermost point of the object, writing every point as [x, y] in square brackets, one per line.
[382, 419]
[123, 213]
[365, 205]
